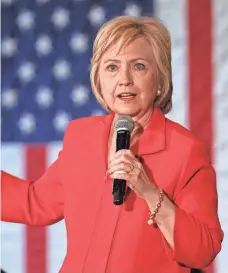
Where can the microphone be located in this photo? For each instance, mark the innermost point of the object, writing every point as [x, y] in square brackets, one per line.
[124, 126]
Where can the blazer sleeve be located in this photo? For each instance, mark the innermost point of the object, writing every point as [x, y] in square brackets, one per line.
[197, 231]
[33, 203]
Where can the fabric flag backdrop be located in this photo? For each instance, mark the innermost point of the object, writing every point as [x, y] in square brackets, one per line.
[46, 50]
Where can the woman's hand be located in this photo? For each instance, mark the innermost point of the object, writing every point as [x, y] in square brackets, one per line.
[124, 165]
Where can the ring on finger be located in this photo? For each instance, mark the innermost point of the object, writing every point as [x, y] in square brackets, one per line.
[131, 168]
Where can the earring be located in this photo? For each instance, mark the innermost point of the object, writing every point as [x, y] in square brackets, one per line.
[159, 93]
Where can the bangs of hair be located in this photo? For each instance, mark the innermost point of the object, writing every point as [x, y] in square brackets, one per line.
[120, 35]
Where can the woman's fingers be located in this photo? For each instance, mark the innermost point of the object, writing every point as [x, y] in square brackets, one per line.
[122, 154]
[128, 177]
[121, 166]
[120, 175]
[124, 157]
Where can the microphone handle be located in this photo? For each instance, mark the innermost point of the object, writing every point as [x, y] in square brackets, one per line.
[119, 185]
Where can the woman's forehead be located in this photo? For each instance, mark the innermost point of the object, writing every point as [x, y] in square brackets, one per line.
[137, 49]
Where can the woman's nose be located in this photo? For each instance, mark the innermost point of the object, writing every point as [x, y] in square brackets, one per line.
[125, 77]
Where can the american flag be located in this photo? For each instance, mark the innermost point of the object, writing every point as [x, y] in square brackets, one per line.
[46, 51]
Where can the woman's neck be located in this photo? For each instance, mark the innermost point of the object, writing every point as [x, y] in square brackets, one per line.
[141, 123]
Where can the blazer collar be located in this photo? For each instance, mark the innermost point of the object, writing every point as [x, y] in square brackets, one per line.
[152, 139]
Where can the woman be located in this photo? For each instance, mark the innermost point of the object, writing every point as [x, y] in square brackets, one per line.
[168, 222]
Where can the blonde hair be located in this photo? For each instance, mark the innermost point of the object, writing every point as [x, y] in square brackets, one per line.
[122, 31]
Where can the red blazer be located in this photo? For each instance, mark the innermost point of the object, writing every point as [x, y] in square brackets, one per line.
[102, 237]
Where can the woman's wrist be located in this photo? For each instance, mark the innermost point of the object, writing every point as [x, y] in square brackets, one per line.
[155, 199]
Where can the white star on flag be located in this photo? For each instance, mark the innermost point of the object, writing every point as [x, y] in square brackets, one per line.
[77, 1]
[80, 95]
[44, 97]
[27, 123]
[43, 45]
[60, 18]
[61, 70]
[132, 10]
[7, 2]
[26, 20]
[9, 98]
[61, 120]
[79, 42]
[96, 16]
[42, 1]
[26, 72]
[9, 47]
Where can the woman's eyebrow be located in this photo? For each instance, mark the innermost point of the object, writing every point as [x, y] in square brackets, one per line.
[131, 60]
[139, 58]
[112, 60]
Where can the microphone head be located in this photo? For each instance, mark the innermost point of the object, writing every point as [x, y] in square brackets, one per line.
[125, 123]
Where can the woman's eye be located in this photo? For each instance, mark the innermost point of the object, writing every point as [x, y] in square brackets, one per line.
[112, 67]
[139, 66]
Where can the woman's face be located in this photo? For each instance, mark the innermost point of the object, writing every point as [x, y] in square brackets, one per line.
[127, 79]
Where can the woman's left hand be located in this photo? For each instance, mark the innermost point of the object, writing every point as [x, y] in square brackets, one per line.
[124, 165]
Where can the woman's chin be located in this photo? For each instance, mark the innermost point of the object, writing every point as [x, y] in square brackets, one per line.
[127, 111]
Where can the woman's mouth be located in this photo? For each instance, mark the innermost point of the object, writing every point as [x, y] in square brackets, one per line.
[126, 96]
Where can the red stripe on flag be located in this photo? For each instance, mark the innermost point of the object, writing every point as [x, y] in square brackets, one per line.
[200, 73]
[200, 69]
[35, 236]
